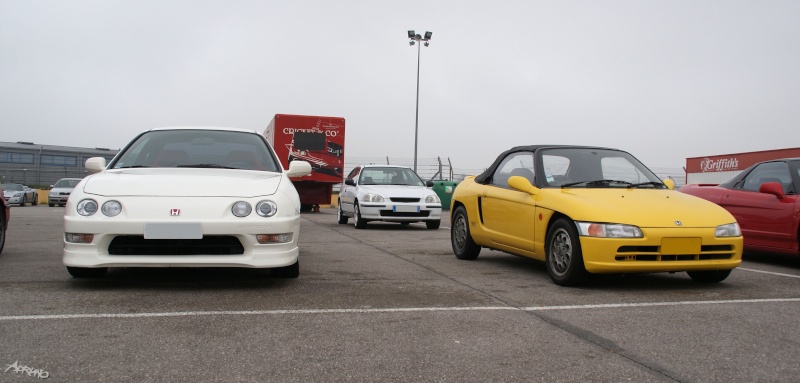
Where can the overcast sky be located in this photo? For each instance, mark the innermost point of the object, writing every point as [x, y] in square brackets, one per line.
[664, 80]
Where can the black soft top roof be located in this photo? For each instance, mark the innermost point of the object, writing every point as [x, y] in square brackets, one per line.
[487, 174]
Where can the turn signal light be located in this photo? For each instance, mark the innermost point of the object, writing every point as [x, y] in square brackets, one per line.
[78, 238]
[274, 238]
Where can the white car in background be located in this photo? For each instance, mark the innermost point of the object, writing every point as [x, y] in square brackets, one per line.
[388, 193]
[59, 193]
[186, 197]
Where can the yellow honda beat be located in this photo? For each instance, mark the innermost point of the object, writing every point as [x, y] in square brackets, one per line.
[587, 209]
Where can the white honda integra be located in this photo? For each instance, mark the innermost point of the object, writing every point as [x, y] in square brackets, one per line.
[186, 197]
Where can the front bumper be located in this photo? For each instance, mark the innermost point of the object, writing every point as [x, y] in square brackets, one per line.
[14, 200]
[400, 212]
[214, 219]
[662, 249]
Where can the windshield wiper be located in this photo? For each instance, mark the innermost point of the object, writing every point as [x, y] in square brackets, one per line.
[215, 166]
[659, 185]
[596, 183]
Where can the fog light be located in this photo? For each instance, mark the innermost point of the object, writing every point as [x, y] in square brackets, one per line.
[78, 238]
[274, 238]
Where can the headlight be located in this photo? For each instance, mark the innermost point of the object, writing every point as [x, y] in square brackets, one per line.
[433, 198]
[266, 208]
[372, 197]
[111, 208]
[87, 207]
[17, 194]
[729, 230]
[241, 209]
[608, 230]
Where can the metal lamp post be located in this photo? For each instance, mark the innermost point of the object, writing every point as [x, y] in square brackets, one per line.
[414, 39]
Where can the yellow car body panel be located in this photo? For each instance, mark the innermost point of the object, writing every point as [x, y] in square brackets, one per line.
[678, 229]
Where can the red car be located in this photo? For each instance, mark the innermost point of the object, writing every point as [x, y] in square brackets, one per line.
[763, 199]
[5, 216]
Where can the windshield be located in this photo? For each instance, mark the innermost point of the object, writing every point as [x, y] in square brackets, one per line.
[596, 168]
[186, 148]
[390, 176]
[65, 183]
[13, 187]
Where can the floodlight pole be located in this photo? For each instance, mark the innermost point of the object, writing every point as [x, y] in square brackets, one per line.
[415, 38]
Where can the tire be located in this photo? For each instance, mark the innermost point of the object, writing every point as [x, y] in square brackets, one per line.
[709, 276]
[340, 215]
[24, 199]
[564, 257]
[359, 222]
[433, 225]
[460, 238]
[86, 272]
[51, 204]
[291, 271]
[2, 231]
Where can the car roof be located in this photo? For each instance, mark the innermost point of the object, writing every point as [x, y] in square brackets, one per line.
[222, 128]
[483, 177]
[384, 166]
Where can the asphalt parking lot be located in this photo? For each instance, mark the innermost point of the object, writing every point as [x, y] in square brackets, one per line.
[388, 303]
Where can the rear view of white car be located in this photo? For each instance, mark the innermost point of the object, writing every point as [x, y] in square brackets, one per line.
[388, 193]
[186, 197]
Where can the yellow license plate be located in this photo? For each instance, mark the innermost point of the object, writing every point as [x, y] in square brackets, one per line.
[679, 246]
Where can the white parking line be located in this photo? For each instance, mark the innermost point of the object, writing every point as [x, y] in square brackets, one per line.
[768, 272]
[385, 310]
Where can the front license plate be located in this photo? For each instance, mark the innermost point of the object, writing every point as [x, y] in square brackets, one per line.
[173, 231]
[680, 246]
[405, 209]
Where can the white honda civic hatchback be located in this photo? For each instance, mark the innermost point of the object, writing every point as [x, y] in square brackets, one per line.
[186, 197]
[388, 193]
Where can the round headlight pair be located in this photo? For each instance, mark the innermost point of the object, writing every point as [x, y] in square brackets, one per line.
[88, 207]
[264, 208]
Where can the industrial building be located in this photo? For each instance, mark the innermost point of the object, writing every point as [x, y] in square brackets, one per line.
[40, 166]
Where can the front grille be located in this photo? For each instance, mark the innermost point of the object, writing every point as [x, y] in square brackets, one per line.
[653, 253]
[208, 245]
[389, 213]
[404, 199]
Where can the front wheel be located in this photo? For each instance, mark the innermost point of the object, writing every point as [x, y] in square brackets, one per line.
[564, 257]
[24, 198]
[359, 222]
[709, 276]
[340, 214]
[460, 238]
[87, 272]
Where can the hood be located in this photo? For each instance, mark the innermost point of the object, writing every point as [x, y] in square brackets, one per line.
[640, 207]
[184, 182]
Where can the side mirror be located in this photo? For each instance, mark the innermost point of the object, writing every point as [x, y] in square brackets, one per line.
[522, 184]
[95, 164]
[670, 184]
[429, 184]
[299, 169]
[774, 188]
[350, 182]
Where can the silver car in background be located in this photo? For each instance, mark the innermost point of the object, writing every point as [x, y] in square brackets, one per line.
[18, 194]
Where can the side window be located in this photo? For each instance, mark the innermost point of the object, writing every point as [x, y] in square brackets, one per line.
[354, 173]
[516, 164]
[767, 172]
